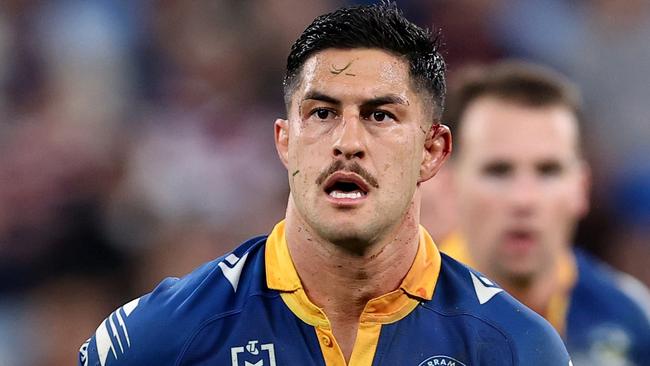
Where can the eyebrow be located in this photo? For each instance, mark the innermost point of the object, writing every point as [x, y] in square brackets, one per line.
[373, 102]
[315, 95]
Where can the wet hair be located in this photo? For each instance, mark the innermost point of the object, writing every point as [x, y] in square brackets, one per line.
[380, 26]
[519, 82]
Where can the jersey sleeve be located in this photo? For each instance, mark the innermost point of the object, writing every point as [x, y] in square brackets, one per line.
[112, 344]
[137, 333]
[539, 345]
[159, 328]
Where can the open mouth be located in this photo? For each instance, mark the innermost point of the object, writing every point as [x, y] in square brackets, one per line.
[521, 237]
[346, 186]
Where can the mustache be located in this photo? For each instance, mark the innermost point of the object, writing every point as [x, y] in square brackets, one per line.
[353, 167]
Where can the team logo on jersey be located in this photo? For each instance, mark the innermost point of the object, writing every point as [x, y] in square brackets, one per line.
[441, 361]
[609, 344]
[253, 354]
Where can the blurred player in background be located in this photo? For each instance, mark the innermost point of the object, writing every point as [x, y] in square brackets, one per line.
[520, 186]
[349, 277]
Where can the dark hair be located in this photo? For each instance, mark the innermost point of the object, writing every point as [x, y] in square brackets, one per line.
[381, 26]
[518, 82]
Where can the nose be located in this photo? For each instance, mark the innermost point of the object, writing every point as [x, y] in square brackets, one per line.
[349, 140]
[524, 195]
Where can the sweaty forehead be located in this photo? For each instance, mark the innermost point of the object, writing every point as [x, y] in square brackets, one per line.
[371, 69]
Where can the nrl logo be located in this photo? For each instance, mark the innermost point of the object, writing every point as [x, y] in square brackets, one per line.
[252, 355]
[441, 361]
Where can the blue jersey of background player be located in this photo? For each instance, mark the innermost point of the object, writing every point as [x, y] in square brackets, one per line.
[521, 186]
[349, 277]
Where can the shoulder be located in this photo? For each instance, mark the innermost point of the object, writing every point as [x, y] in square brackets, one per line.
[154, 328]
[610, 290]
[462, 291]
[609, 311]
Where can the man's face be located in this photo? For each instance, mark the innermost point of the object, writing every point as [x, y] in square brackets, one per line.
[356, 144]
[521, 185]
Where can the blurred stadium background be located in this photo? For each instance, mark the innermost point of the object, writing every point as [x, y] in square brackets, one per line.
[136, 138]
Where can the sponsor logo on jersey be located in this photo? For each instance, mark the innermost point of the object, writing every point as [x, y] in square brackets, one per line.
[485, 289]
[232, 267]
[441, 360]
[253, 354]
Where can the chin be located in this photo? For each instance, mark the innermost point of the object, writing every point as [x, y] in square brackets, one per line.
[350, 237]
[519, 273]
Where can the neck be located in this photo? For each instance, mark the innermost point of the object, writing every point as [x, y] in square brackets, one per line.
[342, 281]
[538, 290]
[534, 294]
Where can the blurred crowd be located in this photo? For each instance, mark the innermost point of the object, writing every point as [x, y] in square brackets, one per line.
[136, 138]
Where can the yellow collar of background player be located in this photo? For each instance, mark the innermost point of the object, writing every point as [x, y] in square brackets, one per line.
[455, 246]
[419, 282]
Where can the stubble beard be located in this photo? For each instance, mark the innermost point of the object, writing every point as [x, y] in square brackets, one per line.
[355, 239]
[518, 278]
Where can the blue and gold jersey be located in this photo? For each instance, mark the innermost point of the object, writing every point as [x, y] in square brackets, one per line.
[607, 318]
[602, 314]
[249, 308]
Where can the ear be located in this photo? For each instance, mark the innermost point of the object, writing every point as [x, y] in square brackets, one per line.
[281, 130]
[437, 147]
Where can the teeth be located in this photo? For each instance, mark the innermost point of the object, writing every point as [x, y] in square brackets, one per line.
[351, 195]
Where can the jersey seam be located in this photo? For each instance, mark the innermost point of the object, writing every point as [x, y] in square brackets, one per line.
[256, 241]
[214, 318]
[489, 323]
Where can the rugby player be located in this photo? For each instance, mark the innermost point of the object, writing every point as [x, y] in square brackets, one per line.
[521, 185]
[349, 277]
